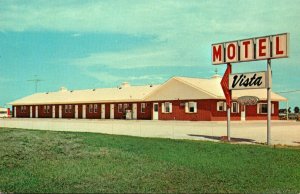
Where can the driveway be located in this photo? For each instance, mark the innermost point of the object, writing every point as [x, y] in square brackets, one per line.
[282, 132]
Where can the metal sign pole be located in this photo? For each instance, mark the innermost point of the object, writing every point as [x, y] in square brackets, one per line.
[269, 102]
[228, 123]
[229, 105]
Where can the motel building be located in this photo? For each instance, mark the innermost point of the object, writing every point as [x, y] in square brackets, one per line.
[179, 98]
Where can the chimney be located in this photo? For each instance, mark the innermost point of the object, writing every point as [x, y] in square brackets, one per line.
[63, 89]
[125, 85]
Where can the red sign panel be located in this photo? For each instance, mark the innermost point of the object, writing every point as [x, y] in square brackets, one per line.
[225, 85]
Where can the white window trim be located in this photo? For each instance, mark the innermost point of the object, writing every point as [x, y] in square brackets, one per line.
[95, 108]
[66, 108]
[237, 105]
[120, 108]
[272, 108]
[91, 108]
[187, 108]
[223, 105]
[125, 107]
[143, 104]
[163, 107]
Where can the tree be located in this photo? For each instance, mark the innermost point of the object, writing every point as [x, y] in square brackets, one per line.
[289, 110]
[296, 109]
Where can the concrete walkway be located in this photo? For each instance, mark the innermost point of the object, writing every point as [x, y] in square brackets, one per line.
[282, 132]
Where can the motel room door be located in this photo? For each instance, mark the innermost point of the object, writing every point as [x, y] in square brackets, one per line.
[112, 111]
[243, 112]
[53, 111]
[84, 111]
[134, 111]
[102, 111]
[76, 111]
[155, 111]
[30, 111]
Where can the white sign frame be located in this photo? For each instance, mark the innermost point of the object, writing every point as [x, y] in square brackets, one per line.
[252, 77]
[270, 45]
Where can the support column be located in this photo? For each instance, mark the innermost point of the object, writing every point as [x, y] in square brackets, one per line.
[228, 123]
[269, 90]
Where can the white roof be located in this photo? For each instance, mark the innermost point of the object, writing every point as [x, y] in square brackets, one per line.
[183, 88]
[124, 94]
[213, 87]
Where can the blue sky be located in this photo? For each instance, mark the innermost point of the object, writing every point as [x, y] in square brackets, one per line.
[89, 44]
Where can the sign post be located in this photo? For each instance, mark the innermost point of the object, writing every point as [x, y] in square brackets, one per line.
[228, 96]
[269, 71]
[252, 49]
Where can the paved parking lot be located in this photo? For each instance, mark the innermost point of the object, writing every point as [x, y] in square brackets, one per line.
[282, 132]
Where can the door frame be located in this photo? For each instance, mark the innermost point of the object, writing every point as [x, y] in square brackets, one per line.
[112, 111]
[134, 111]
[76, 111]
[53, 111]
[36, 111]
[102, 111]
[30, 111]
[155, 113]
[243, 113]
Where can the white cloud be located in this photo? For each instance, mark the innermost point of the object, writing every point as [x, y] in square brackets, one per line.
[139, 58]
[110, 79]
[184, 29]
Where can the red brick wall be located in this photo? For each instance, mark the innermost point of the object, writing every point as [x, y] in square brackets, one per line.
[25, 114]
[251, 112]
[147, 115]
[42, 113]
[178, 111]
[107, 111]
[92, 114]
[70, 114]
[206, 111]
[222, 115]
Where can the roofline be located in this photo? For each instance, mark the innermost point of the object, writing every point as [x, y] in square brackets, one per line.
[199, 89]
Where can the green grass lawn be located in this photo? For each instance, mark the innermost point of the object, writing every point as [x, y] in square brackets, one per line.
[47, 161]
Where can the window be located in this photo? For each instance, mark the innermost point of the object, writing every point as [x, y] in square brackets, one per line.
[120, 108]
[221, 106]
[68, 108]
[48, 108]
[91, 108]
[143, 107]
[125, 107]
[167, 107]
[234, 107]
[45, 109]
[95, 108]
[155, 107]
[23, 109]
[191, 107]
[262, 108]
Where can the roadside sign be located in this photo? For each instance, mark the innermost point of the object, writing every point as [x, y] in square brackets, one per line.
[251, 49]
[255, 80]
[247, 100]
[225, 85]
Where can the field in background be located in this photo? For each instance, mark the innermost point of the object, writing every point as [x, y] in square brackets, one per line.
[47, 161]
